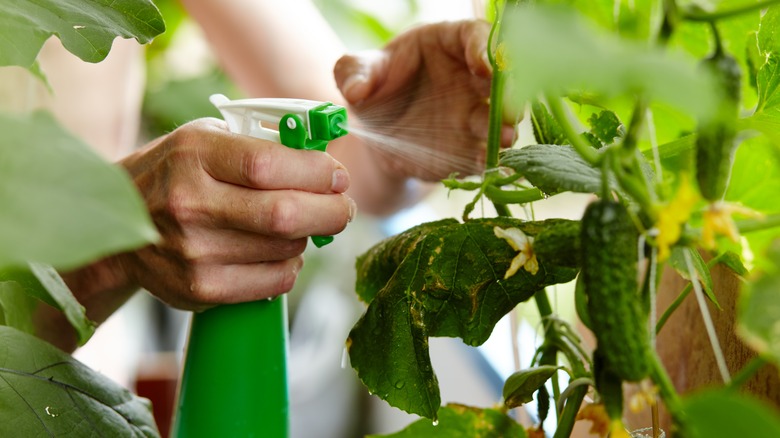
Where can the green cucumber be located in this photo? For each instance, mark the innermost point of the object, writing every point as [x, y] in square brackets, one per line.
[609, 278]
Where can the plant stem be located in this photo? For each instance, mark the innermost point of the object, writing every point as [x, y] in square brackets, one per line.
[496, 119]
[729, 13]
[666, 389]
[586, 151]
[503, 197]
[750, 225]
[672, 307]
[569, 414]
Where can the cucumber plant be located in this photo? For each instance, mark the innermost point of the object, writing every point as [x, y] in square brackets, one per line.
[666, 112]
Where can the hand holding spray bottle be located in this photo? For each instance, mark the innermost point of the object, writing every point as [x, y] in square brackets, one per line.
[234, 382]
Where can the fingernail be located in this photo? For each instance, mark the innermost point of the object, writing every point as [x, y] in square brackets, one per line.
[352, 209]
[340, 181]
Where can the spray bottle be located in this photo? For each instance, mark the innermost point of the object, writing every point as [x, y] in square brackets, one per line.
[234, 382]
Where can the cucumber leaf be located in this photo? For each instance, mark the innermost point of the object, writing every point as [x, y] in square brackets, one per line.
[520, 387]
[442, 278]
[86, 29]
[69, 206]
[768, 74]
[46, 392]
[702, 271]
[553, 168]
[759, 308]
[560, 52]
[16, 307]
[718, 413]
[458, 421]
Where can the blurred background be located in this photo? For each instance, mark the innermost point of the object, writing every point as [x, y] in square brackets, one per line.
[327, 400]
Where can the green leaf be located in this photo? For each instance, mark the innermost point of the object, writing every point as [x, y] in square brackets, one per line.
[16, 307]
[553, 168]
[606, 126]
[759, 308]
[677, 261]
[46, 392]
[86, 29]
[458, 421]
[755, 175]
[44, 283]
[69, 206]
[722, 414]
[768, 76]
[546, 128]
[559, 52]
[75, 313]
[732, 261]
[438, 279]
[520, 387]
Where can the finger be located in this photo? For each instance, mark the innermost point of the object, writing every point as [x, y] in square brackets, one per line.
[474, 37]
[479, 121]
[286, 214]
[225, 246]
[357, 75]
[230, 284]
[261, 164]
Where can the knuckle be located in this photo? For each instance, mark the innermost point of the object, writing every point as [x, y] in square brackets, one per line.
[256, 168]
[180, 205]
[282, 217]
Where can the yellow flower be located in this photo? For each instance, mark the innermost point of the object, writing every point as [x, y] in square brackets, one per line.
[597, 415]
[718, 222]
[673, 216]
[617, 430]
[519, 241]
[644, 398]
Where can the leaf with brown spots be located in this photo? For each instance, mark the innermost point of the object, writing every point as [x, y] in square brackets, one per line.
[439, 279]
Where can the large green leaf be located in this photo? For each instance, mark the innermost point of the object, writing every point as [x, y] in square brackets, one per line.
[721, 414]
[759, 308]
[439, 279]
[61, 203]
[45, 392]
[16, 307]
[86, 28]
[556, 51]
[458, 421]
[768, 76]
[553, 168]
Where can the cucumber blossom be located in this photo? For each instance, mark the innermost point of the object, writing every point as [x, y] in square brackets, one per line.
[609, 271]
[716, 137]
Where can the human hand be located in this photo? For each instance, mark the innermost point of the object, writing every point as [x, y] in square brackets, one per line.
[234, 213]
[424, 99]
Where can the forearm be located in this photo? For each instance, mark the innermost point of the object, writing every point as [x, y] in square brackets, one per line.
[272, 48]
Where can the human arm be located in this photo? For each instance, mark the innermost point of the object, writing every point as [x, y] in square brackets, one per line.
[429, 87]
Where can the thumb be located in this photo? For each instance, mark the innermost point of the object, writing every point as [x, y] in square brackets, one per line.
[357, 75]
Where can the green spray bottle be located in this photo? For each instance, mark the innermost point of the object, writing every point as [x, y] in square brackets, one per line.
[234, 381]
